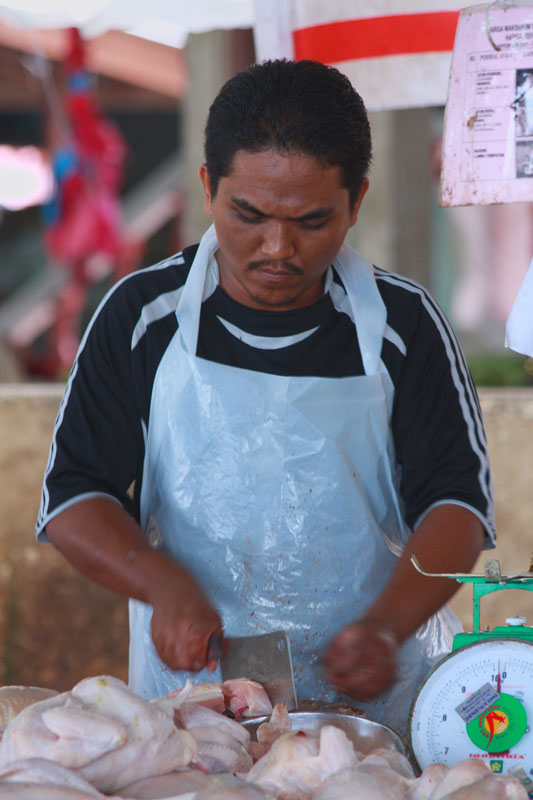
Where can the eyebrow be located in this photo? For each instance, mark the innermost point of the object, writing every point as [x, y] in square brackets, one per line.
[318, 213]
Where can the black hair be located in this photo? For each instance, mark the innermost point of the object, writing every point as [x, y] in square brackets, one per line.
[291, 107]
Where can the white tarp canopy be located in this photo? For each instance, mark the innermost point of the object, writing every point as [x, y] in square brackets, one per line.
[396, 52]
[165, 21]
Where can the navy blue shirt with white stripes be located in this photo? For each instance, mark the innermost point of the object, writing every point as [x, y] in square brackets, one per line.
[98, 444]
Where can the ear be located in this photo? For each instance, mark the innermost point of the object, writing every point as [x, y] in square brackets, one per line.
[359, 200]
[206, 183]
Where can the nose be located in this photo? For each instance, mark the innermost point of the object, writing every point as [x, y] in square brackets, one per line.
[277, 240]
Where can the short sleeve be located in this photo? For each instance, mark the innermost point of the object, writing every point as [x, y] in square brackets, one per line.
[97, 447]
[438, 429]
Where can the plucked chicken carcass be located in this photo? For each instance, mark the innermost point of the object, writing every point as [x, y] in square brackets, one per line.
[461, 774]
[37, 791]
[230, 787]
[381, 775]
[471, 779]
[219, 752]
[13, 699]
[191, 715]
[182, 783]
[355, 783]
[62, 730]
[383, 756]
[40, 779]
[222, 742]
[300, 761]
[492, 787]
[426, 783]
[153, 743]
[42, 772]
[103, 730]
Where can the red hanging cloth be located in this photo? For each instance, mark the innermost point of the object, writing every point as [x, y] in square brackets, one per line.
[84, 217]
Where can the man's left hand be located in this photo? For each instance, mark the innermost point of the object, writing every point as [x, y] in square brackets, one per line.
[361, 660]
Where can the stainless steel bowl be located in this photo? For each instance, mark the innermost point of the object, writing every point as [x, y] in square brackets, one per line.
[364, 733]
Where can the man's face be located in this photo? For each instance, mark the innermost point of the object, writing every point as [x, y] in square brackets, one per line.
[280, 222]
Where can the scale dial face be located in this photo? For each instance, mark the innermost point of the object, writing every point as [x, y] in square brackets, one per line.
[500, 731]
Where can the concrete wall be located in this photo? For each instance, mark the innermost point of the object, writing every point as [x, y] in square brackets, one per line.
[508, 417]
[56, 627]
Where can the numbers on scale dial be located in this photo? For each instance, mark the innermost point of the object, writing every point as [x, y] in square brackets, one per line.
[438, 733]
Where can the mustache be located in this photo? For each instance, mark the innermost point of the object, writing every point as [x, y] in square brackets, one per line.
[283, 266]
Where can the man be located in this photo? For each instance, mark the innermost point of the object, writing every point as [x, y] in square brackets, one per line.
[289, 415]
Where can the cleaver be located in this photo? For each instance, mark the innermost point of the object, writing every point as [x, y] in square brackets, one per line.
[265, 658]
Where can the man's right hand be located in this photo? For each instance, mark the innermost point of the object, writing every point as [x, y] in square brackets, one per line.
[100, 539]
[183, 622]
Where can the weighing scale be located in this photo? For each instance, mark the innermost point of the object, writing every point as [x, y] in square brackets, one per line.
[478, 701]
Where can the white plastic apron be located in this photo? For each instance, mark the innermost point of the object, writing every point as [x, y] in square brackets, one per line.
[278, 493]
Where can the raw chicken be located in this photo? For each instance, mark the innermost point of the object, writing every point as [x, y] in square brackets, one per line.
[461, 774]
[220, 752]
[44, 772]
[99, 736]
[60, 729]
[424, 786]
[191, 715]
[101, 729]
[279, 723]
[375, 782]
[299, 762]
[38, 791]
[222, 742]
[228, 787]
[246, 698]
[493, 787]
[257, 750]
[15, 698]
[182, 783]
[382, 756]
[205, 694]
[153, 744]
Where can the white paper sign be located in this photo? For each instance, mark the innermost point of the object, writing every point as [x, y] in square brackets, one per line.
[488, 129]
[519, 330]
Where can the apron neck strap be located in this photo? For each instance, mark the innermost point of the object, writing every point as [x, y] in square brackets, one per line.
[369, 311]
[197, 288]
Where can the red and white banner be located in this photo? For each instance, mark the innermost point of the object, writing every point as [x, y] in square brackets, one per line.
[397, 53]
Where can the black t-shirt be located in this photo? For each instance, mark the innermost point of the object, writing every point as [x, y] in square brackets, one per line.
[98, 443]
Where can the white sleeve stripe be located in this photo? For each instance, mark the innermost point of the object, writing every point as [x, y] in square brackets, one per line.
[162, 305]
[340, 303]
[45, 499]
[451, 344]
[461, 378]
[395, 339]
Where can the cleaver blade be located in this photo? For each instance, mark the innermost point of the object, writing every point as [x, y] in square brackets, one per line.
[265, 658]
